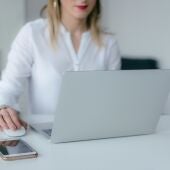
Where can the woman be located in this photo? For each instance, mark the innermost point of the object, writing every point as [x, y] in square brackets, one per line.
[69, 39]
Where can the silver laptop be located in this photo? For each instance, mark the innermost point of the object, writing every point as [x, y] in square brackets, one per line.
[105, 104]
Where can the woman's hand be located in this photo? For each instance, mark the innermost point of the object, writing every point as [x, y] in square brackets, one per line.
[9, 119]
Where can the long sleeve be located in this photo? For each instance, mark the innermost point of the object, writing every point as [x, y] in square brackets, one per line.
[113, 56]
[18, 68]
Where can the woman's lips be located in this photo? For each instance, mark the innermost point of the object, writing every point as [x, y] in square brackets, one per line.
[82, 7]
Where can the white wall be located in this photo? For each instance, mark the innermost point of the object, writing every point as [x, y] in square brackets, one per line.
[33, 8]
[142, 27]
[12, 16]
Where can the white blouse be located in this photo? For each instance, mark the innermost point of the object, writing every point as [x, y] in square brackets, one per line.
[32, 59]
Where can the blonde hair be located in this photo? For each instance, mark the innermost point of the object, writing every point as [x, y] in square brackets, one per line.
[53, 11]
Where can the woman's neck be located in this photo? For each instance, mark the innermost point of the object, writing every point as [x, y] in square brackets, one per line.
[73, 25]
[76, 27]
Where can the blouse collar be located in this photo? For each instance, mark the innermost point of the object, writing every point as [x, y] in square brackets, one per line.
[64, 31]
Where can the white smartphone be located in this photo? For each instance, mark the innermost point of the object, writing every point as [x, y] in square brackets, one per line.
[16, 149]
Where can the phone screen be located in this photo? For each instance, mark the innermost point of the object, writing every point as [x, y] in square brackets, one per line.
[10, 147]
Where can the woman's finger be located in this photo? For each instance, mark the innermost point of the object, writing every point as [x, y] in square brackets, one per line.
[14, 116]
[2, 122]
[7, 119]
[1, 129]
[24, 124]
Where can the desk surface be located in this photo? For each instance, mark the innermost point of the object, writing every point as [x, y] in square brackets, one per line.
[148, 152]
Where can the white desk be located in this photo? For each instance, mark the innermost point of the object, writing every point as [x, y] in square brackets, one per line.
[149, 152]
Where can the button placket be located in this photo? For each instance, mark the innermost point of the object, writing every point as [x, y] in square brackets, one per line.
[76, 57]
[73, 55]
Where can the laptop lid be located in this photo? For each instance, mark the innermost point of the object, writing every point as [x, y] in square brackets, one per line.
[104, 104]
